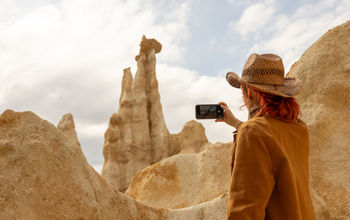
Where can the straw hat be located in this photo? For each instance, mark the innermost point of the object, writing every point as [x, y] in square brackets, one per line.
[265, 73]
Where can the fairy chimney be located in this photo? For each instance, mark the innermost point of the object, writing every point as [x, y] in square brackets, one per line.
[137, 135]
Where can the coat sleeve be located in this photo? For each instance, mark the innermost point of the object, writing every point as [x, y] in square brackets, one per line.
[252, 180]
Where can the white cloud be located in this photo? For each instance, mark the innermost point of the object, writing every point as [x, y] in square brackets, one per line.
[290, 34]
[240, 2]
[254, 18]
[92, 130]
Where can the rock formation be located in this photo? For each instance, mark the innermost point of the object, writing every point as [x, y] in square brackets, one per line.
[324, 69]
[67, 127]
[137, 135]
[184, 180]
[44, 175]
[191, 139]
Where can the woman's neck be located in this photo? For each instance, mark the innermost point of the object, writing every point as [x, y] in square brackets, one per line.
[252, 111]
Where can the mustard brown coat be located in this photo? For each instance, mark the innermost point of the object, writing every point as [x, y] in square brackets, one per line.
[270, 171]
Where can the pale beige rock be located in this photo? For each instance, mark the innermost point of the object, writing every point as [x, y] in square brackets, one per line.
[137, 135]
[184, 180]
[44, 175]
[67, 127]
[191, 139]
[212, 210]
[324, 69]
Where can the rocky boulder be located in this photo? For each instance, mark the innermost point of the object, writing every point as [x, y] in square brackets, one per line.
[44, 175]
[184, 180]
[324, 69]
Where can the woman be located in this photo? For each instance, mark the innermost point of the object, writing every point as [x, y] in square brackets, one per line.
[270, 170]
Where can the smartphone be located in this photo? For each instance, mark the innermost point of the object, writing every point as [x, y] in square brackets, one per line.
[209, 111]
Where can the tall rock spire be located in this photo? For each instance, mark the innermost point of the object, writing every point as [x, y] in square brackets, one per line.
[137, 135]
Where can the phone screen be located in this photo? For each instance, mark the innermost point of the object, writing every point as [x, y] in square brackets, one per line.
[209, 111]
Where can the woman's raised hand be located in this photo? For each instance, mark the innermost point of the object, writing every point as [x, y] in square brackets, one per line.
[228, 118]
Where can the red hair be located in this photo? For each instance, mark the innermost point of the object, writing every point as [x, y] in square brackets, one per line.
[286, 109]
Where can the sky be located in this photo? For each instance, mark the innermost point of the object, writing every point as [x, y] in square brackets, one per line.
[68, 56]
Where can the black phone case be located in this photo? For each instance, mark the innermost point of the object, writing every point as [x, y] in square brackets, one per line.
[209, 111]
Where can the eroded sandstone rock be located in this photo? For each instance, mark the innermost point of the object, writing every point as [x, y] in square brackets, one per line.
[191, 139]
[44, 175]
[67, 127]
[184, 180]
[324, 69]
[137, 135]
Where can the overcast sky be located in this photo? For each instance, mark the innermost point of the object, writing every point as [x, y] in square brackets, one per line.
[60, 56]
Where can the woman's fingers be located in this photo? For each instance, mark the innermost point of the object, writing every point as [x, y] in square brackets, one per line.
[224, 107]
[222, 104]
[228, 116]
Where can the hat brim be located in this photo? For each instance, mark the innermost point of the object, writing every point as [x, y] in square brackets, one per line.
[290, 88]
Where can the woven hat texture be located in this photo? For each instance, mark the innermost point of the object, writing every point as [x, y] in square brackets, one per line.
[265, 73]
